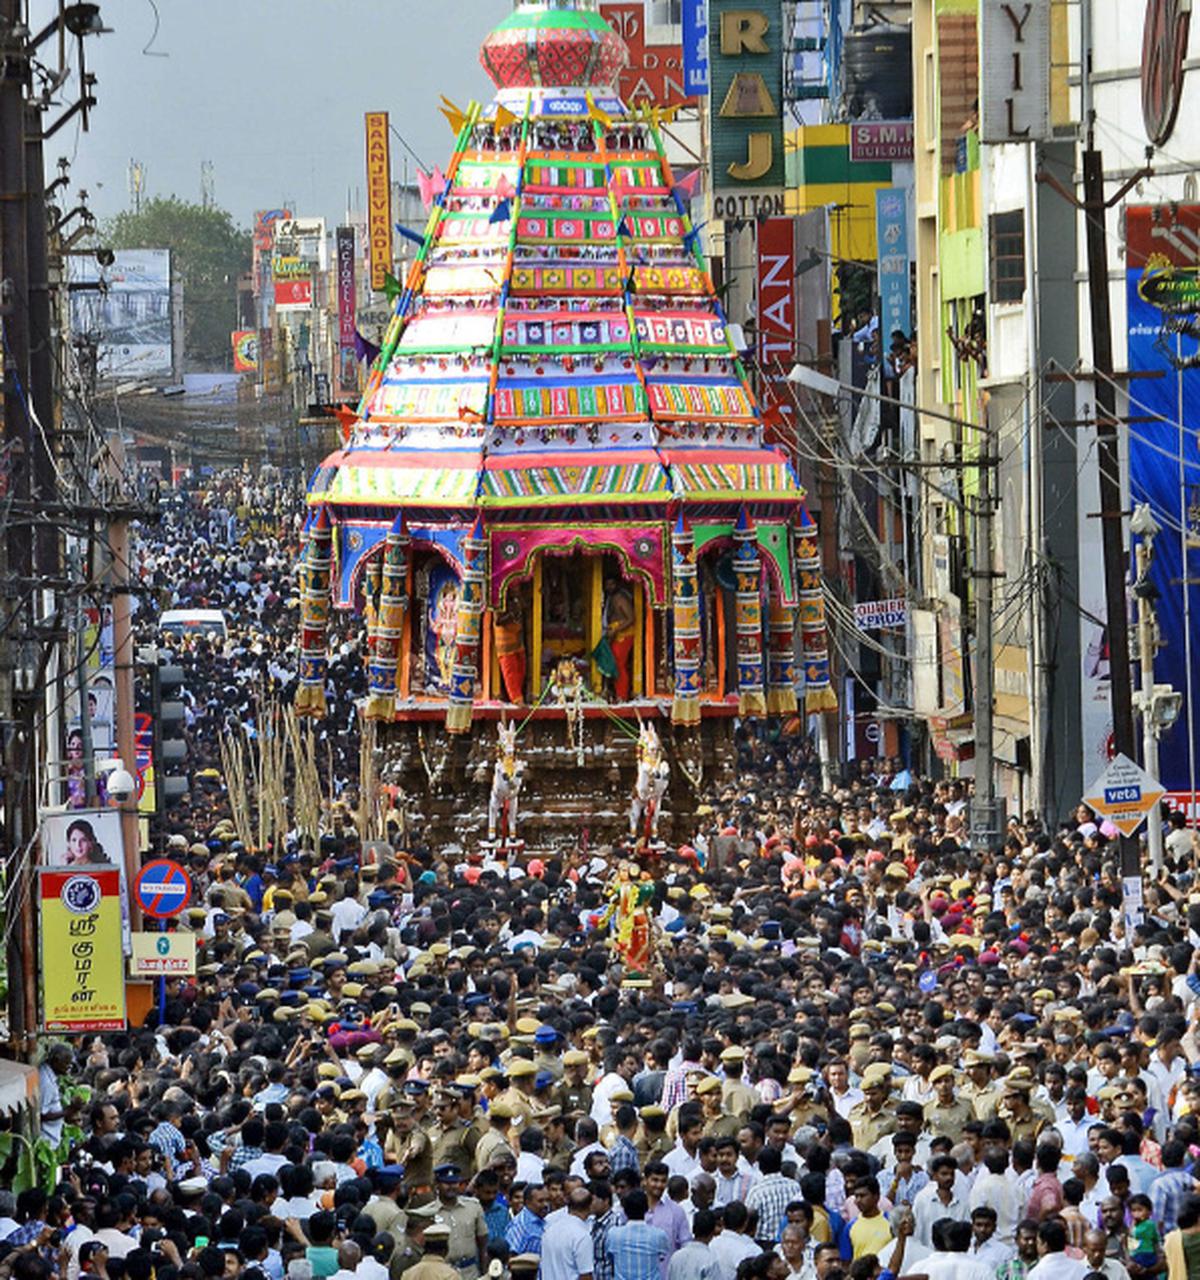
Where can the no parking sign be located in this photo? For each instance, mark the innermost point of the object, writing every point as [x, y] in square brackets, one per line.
[162, 889]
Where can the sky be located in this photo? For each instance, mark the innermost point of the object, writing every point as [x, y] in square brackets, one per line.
[272, 92]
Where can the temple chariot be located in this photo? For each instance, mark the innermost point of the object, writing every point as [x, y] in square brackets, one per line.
[558, 507]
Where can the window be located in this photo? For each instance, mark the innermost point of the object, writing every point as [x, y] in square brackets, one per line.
[1008, 256]
[664, 13]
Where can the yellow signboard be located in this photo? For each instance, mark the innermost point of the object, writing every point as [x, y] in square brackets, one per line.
[379, 197]
[163, 955]
[83, 983]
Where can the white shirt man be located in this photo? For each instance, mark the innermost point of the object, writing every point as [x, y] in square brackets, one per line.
[348, 914]
[928, 1208]
[567, 1252]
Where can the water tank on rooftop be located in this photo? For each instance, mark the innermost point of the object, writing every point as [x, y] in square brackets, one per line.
[877, 72]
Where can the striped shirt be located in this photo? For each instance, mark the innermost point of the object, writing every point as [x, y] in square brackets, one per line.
[637, 1251]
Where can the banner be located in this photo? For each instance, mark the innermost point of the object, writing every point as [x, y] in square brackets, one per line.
[895, 289]
[264, 247]
[245, 350]
[82, 959]
[347, 304]
[127, 312]
[379, 197]
[654, 72]
[695, 46]
[82, 838]
[293, 295]
[776, 310]
[745, 50]
[1162, 260]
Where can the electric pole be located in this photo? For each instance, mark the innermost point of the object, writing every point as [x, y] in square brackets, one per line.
[985, 829]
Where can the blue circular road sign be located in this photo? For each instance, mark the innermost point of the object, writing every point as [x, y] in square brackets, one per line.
[162, 889]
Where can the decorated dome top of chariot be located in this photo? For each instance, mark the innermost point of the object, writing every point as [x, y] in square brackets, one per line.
[564, 45]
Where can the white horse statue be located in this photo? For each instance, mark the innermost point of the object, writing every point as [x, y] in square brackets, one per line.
[507, 777]
[652, 777]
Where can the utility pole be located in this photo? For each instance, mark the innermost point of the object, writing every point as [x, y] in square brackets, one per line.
[1116, 613]
[1095, 209]
[985, 828]
[18, 706]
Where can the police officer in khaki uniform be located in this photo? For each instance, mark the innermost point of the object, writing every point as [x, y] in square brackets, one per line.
[737, 1098]
[546, 1057]
[978, 1088]
[448, 1135]
[521, 1074]
[496, 1138]
[717, 1122]
[805, 1109]
[559, 1149]
[574, 1094]
[1024, 1123]
[410, 1247]
[463, 1216]
[382, 1208]
[433, 1266]
[945, 1114]
[652, 1142]
[873, 1118]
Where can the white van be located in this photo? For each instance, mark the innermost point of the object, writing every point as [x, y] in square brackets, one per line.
[194, 622]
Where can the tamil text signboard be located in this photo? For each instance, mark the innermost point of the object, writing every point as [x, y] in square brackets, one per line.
[83, 983]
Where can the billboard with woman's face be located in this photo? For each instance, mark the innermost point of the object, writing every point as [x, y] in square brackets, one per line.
[82, 838]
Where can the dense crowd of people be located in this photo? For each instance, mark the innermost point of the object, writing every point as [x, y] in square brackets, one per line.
[864, 1048]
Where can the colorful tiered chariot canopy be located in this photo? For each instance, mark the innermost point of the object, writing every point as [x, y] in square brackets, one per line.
[558, 359]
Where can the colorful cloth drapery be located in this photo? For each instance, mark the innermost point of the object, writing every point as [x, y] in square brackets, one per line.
[818, 693]
[389, 625]
[685, 707]
[781, 661]
[314, 616]
[747, 568]
[465, 675]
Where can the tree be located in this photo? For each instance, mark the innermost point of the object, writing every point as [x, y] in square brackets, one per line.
[208, 253]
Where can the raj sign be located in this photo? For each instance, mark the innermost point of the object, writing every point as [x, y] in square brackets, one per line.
[1014, 99]
[1124, 794]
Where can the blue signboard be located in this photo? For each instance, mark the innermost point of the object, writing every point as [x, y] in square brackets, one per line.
[891, 230]
[1162, 263]
[695, 47]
